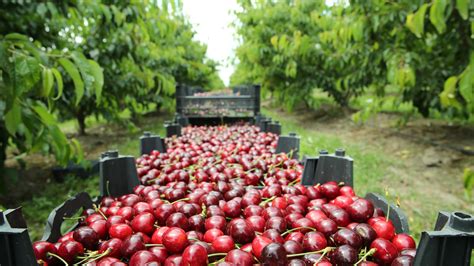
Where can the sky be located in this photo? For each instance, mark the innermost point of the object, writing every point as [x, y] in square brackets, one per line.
[211, 20]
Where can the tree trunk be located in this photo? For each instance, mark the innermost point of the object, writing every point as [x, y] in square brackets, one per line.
[81, 120]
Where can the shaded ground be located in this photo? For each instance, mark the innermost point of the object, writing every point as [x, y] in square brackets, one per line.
[422, 164]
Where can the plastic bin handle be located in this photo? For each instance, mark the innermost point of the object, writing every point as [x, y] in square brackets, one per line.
[68, 208]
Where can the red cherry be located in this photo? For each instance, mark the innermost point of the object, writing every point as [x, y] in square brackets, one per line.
[314, 241]
[212, 234]
[403, 241]
[69, 250]
[175, 240]
[384, 229]
[142, 257]
[385, 252]
[112, 246]
[360, 210]
[195, 255]
[120, 231]
[86, 236]
[258, 243]
[143, 222]
[41, 250]
[131, 245]
[223, 244]
[239, 257]
[157, 236]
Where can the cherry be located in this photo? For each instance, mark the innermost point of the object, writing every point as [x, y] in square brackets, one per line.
[316, 215]
[277, 223]
[239, 257]
[409, 251]
[108, 261]
[214, 211]
[144, 222]
[100, 227]
[326, 226]
[112, 246]
[69, 250]
[330, 190]
[232, 209]
[384, 229]
[86, 236]
[120, 231]
[157, 236]
[258, 243]
[160, 253]
[296, 262]
[217, 222]
[223, 244]
[274, 235]
[173, 260]
[241, 231]
[303, 222]
[344, 255]
[163, 212]
[175, 240]
[366, 232]
[274, 254]
[178, 219]
[346, 236]
[196, 222]
[295, 236]
[340, 216]
[403, 241]
[314, 241]
[360, 210]
[257, 222]
[253, 210]
[293, 247]
[142, 257]
[195, 255]
[212, 234]
[131, 245]
[403, 260]
[42, 248]
[116, 219]
[385, 252]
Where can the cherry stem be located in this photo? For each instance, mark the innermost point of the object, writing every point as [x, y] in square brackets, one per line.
[154, 245]
[322, 256]
[262, 204]
[216, 254]
[298, 228]
[99, 211]
[94, 257]
[293, 182]
[57, 257]
[183, 199]
[369, 253]
[324, 250]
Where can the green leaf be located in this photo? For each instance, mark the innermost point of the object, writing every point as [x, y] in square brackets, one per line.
[78, 150]
[437, 15]
[76, 77]
[98, 74]
[13, 118]
[59, 82]
[448, 95]
[416, 22]
[46, 117]
[16, 36]
[466, 83]
[48, 82]
[463, 8]
[274, 41]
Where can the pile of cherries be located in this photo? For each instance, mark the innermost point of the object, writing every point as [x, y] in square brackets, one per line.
[198, 206]
[220, 153]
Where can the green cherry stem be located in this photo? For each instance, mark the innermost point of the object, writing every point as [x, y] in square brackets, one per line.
[58, 257]
[367, 254]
